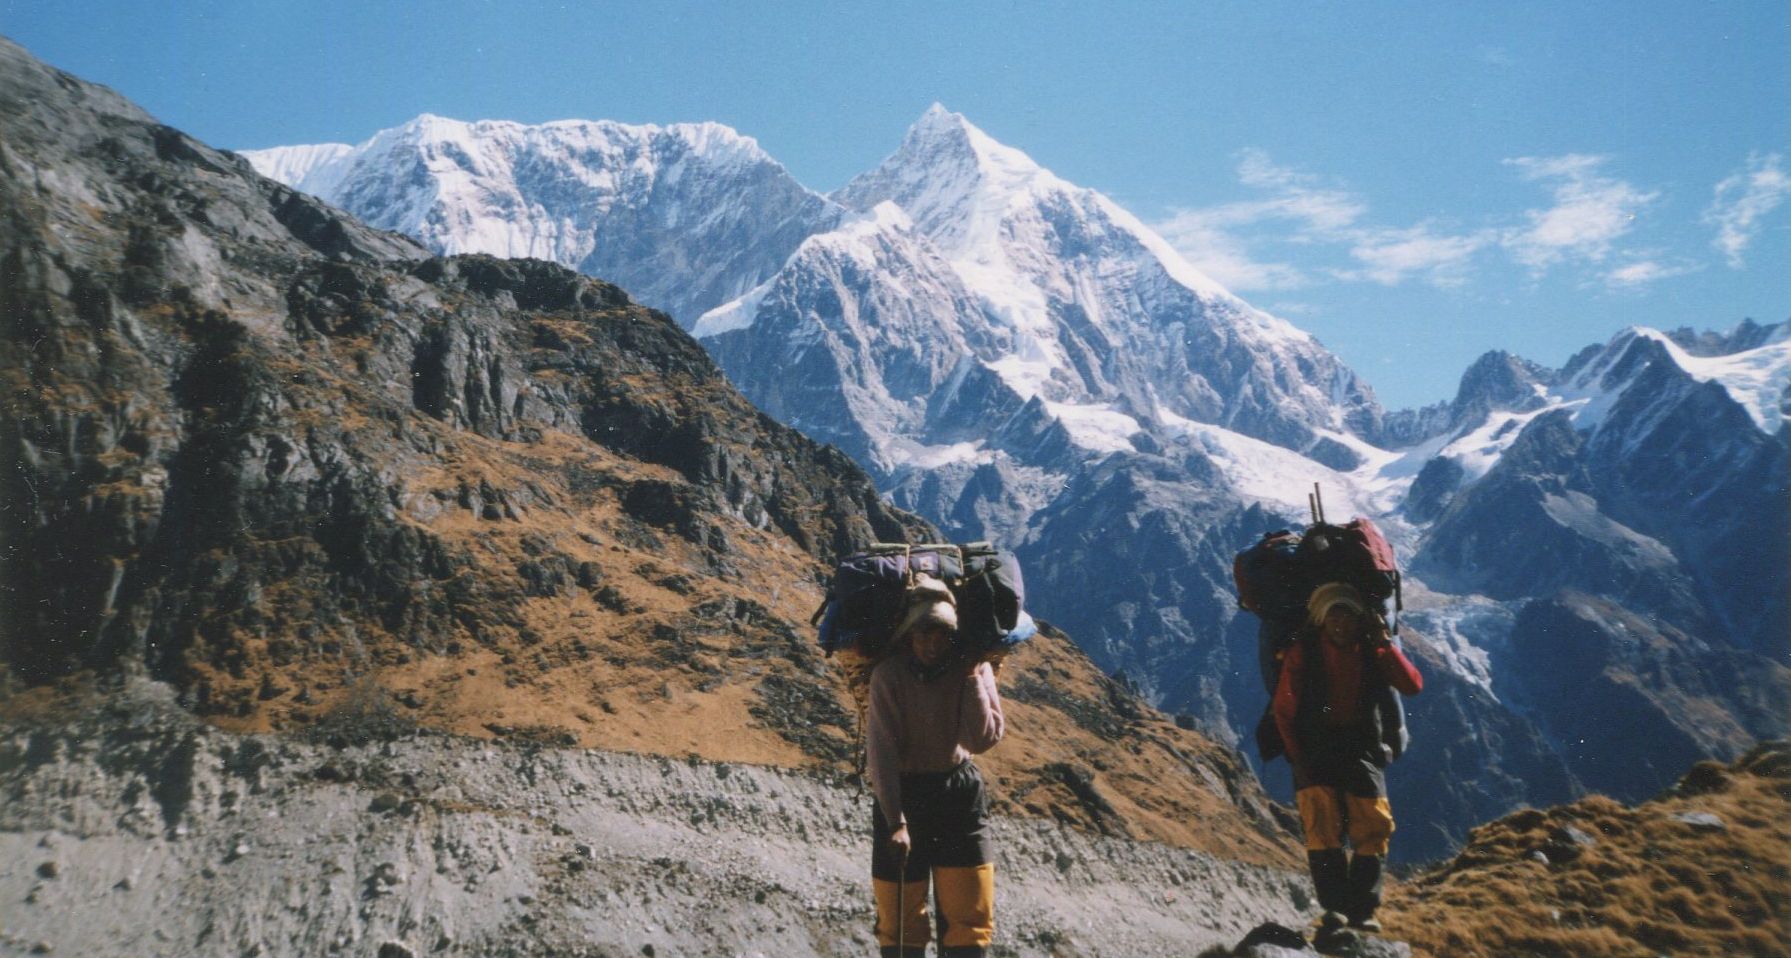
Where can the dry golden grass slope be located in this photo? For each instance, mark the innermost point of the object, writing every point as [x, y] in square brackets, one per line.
[610, 628]
[1660, 878]
[636, 637]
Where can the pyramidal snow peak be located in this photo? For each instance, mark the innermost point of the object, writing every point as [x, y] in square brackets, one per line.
[945, 173]
[1076, 304]
[961, 185]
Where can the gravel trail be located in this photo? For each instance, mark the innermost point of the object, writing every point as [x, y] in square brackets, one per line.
[135, 830]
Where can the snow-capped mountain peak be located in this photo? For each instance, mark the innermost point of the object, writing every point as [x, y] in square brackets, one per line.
[685, 216]
[1639, 369]
[711, 140]
[1075, 301]
[940, 130]
[294, 165]
[1757, 379]
[956, 181]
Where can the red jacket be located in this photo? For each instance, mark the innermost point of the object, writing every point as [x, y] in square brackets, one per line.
[1343, 673]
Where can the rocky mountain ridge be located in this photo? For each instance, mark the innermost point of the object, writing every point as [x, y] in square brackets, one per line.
[290, 465]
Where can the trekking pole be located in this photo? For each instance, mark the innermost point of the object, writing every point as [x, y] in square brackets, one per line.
[1312, 507]
[901, 917]
[1318, 502]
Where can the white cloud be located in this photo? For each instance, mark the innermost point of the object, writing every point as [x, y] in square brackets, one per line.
[1331, 216]
[1590, 213]
[1297, 196]
[1201, 237]
[1390, 256]
[1211, 238]
[1642, 272]
[1743, 200]
[1496, 56]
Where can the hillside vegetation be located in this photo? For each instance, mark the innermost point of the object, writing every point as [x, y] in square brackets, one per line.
[1704, 869]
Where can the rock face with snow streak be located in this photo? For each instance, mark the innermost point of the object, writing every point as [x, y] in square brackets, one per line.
[1644, 474]
[866, 339]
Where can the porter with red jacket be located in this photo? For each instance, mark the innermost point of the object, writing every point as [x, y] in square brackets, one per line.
[1325, 710]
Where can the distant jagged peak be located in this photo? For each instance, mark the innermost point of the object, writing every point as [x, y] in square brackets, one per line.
[715, 142]
[1756, 378]
[490, 144]
[1499, 380]
[1743, 336]
[1501, 394]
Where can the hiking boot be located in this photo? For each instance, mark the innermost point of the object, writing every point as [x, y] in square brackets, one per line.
[1366, 924]
[1332, 920]
[1337, 941]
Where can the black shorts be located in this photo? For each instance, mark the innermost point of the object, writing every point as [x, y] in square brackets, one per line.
[948, 821]
[1353, 771]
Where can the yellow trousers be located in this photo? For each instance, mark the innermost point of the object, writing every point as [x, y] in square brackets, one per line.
[1322, 809]
[966, 905]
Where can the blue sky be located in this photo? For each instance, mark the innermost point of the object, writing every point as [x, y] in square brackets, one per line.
[1413, 182]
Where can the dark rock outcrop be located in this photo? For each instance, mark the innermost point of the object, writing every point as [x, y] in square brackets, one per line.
[222, 399]
[1602, 679]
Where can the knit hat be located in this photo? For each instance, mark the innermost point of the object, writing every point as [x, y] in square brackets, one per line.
[1333, 594]
[928, 602]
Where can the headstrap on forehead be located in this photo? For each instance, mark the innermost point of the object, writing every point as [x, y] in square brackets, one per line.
[928, 602]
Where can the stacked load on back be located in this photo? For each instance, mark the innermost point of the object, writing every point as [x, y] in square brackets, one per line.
[1278, 574]
[865, 599]
[1272, 582]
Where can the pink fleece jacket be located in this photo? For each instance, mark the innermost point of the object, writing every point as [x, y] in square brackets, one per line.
[916, 725]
